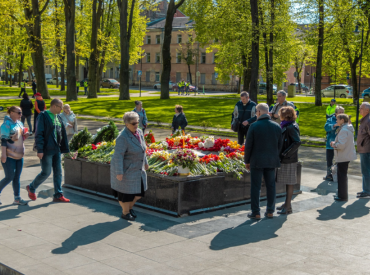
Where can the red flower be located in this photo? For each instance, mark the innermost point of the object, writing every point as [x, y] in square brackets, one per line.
[94, 147]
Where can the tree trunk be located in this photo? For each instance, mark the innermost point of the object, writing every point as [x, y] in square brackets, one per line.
[253, 88]
[20, 76]
[270, 99]
[70, 13]
[190, 74]
[354, 81]
[62, 77]
[56, 73]
[6, 72]
[320, 49]
[125, 36]
[166, 49]
[94, 58]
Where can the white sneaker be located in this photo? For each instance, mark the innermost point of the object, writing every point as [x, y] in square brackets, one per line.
[20, 201]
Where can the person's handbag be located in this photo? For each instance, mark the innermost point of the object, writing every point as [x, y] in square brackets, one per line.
[334, 172]
[235, 125]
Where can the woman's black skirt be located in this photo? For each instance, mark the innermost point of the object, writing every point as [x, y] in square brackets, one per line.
[122, 197]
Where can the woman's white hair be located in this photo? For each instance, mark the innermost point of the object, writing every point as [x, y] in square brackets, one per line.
[128, 117]
[66, 106]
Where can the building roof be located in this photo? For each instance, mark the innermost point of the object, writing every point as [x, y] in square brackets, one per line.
[178, 22]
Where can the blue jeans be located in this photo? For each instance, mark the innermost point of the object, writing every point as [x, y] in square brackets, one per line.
[12, 170]
[48, 162]
[365, 170]
[28, 121]
[85, 90]
[256, 180]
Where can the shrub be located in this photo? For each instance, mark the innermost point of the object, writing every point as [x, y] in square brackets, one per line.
[107, 133]
[79, 140]
[206, 124]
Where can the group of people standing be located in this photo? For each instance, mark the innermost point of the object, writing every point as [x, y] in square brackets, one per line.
[183, 87]
[24, 85]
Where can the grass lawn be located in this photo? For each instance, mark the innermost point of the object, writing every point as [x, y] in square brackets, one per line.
[215, 110]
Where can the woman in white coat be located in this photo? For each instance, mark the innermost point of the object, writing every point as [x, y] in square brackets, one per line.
[69, 120]
[344, 152]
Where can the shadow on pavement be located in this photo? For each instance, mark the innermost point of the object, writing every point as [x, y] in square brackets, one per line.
[357, 209]
[325, 188]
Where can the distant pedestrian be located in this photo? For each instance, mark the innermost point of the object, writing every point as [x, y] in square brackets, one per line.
[128, 166]
[179, 119]
[78, 86]
[40, 106]
[363, 147]
[51, 141]
[281, 102]
[331, 127]
[344, 150]
[23, 88]
[262, 149]
[27, 106]
[70, 121]
[244, 114]
[34, 86]
[330, 110]
[187, 86]
[287, 173]
[12, 152]
[143, 120]
[85, 86]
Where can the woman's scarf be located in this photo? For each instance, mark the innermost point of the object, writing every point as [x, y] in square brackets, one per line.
[339, 128]
[285, 123]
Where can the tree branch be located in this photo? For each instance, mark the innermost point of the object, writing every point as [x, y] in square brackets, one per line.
[130, 21]
[44, 8]
[179, 4]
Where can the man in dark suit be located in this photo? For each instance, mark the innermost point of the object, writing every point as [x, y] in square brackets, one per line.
[261, 156]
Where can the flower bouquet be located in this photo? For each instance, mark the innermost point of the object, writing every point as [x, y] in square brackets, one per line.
[149, 138]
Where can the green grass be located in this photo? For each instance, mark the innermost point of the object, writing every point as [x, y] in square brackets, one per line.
[216, 110]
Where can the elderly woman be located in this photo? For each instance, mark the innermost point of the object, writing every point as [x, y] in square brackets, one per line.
[70, 121]
[287, 173]
[179, 119]
[344, 151]
[128, 165]
[143, 120]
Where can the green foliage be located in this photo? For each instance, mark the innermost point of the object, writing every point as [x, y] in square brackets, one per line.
[107, 133]
[80, 140]
[205, 124]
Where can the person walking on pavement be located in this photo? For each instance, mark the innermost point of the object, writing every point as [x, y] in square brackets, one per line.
[331, 127]
[261, 157]
[34, 86]
[51, 141]
[70, 121]
[344, 149]
[85, 86]
[363, 147]
[23, 88]
[12, 152]
[27, 106]
[281, 102]
[244, 113]
[330, 110]
[78, 86]
[40, 106]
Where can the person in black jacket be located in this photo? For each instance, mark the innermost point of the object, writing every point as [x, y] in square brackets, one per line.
[287, 173]
[27, 106]
[51, 141]
[261, 156]
[179, 119]
[245, 113]
[33, 88]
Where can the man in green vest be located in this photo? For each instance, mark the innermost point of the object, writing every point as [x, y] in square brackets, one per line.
[297, 113]
[78, 86]
[23, 88]
[180, 87]
[330, 111]
[85, 86]
[187, 84]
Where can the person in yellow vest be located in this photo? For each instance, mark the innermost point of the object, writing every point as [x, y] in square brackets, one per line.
[78, 86]
[180, 84]
[187, 84]
[85, 86]
[23, 88]
[297, 113]
[330, 111]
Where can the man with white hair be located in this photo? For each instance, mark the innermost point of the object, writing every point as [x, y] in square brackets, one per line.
[281, 102]
[363, 147]
[262, 148]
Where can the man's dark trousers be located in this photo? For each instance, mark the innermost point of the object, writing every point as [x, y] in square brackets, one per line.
[256, 180]
[242, 133]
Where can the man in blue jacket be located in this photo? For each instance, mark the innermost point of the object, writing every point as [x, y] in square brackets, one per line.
[245, 111]
[261, 156]
[51, 141]
[331, 127]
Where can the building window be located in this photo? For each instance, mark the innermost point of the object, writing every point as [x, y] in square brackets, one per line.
[179, 38]
[148, 39]
[157, 76]
[117, 72]
[111, 73]
[147, 77]
[214, 81]
[188, 77]
[148, 58]
[158, 58]
[214, 58]
[202, 78]
[178, 58]
[178, 77]
[203, 58]
[158, 39]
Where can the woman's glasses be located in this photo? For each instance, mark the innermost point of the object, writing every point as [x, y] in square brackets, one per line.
[19, 113]
[134, 124]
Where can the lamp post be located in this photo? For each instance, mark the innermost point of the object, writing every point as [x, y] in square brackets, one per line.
[359, 78]
[141, 69]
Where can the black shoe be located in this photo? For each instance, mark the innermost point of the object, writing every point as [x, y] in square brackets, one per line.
[280, 207]
[128, 217]
[285, 211]
[328, 178]
[363, 196]
[269, 215]
[132, 212]
[254, 216]
[336, 198]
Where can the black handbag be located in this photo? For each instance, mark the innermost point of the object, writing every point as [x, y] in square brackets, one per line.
[235, 125]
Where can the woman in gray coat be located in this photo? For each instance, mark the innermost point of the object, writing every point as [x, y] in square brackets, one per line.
[128, 165]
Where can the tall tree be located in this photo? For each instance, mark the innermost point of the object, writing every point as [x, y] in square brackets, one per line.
[166, 48]
[320, 49]
[253, 89]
